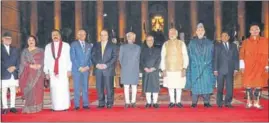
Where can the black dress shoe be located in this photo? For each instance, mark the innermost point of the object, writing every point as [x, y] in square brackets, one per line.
[4, 111]
[109, 106]
[229, 106]
[179, 105]
[156, 105]
[207, 105]
[127, 106]
[133, 105]
[86, 107]
[193, 105]
[100, 106]
[147, 105]
[76, 108]
[171, 105]
[219, 106]
[13, 110]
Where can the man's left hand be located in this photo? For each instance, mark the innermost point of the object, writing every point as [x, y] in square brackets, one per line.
[69, 73]
[235, 72]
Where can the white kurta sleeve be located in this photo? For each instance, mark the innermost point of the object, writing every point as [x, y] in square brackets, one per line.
[68, 58]
[163, 53]
[241, 64]
[185, 56]
[46, 59]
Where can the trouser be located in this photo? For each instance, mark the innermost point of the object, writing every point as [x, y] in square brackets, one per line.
[228, 78]
[126, 93]
[12, 97]
[81, 81]
[172, 95]
[102, 83]
[154, 97]
[195, 97]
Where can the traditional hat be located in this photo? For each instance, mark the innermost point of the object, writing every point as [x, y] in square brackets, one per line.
[7, 34]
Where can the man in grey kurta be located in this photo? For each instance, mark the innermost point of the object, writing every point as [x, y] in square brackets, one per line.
[129, 58]
[150, 61]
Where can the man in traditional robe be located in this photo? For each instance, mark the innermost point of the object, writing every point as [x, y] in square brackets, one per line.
[104, 57]
[10, 61]
[200, 77]
[81, 62]
[150, 62]
[57, 67]
[174, 62]
[254, 65]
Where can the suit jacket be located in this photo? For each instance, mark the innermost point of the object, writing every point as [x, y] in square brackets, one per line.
[109, 58]
[79, 57]
[226, 61]
[8, 60]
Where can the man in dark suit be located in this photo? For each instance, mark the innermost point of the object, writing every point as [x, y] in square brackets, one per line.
[81, 62]
[10, 61]
[226, 65]
[104, 56]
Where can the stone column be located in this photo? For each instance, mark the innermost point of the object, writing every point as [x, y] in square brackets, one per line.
[194, 16]
[241, 18]
[265, 17]
[171, 14]
[218, 19]
[144, 19]
[57, 14]
[78, 16]
[99, 17]
[34, 18]
[122, 18]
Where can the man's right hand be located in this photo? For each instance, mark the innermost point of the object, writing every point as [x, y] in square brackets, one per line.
[98, 66]
[216, 73]
[164, 73]
[47, 76]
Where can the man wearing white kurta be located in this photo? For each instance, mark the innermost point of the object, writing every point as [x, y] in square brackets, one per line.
[57, 66]
[174, 63]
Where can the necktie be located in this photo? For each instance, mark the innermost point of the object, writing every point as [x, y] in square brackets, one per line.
[103, 48]
[226, 46]
[83, 46]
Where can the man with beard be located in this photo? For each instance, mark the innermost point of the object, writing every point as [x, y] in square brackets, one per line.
[57, 67]
[200, 77]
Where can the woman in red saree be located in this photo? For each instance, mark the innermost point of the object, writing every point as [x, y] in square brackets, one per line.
[31, 79]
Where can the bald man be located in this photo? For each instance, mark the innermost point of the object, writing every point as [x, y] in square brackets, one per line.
[174, 62]
[81, 62]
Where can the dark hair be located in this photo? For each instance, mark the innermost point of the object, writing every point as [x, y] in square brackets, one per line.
[254, 24]
[31, 36]
[56, 30]
[225, 31]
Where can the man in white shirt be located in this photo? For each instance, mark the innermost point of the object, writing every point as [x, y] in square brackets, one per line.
[57, 67]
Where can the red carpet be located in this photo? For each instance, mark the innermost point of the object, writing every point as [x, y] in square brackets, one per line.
[237, 114]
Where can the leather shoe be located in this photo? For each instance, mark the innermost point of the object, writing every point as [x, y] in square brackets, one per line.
[219, 106]
[229, 106]
[133, 105]
[193, 105]
[207, 105]
[4, 111]
[127, 106]
[109, 106]
[76, 108]
[100, 106]
[147, 105]
[156, 105]
[179, 105]
[86, 107]
[13, 110]
[171, 105]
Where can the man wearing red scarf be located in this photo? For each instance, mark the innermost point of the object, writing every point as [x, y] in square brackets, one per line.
[57, 66]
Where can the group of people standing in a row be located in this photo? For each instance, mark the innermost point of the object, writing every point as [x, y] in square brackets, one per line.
[194, 67]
